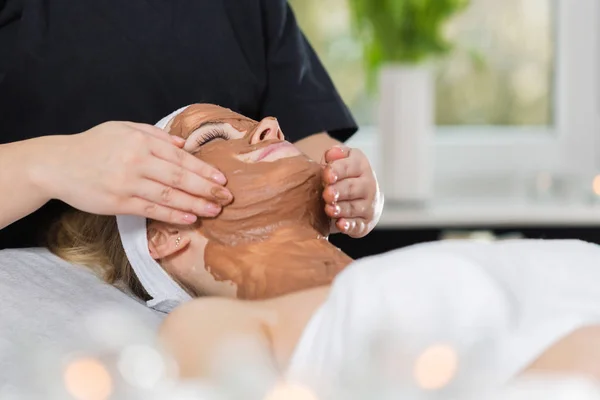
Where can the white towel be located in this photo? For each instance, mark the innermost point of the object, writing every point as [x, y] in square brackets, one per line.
[497, 305]
[165, 292]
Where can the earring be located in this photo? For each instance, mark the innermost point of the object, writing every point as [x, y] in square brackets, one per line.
[178, 241]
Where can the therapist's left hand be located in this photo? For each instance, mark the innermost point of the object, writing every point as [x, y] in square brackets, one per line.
[351, 193]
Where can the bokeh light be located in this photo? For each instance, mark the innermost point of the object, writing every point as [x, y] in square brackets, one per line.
[142, 366]
[596, 185]
[88, 379]
[544, 182]
[287, 391]
[436, 367]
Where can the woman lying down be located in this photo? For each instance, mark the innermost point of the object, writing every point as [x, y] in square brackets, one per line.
[264, 268]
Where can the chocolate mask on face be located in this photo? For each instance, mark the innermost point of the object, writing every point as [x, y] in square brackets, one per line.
[271, 240]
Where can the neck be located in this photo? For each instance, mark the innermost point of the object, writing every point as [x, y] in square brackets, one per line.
[272, 239]
[292, 259]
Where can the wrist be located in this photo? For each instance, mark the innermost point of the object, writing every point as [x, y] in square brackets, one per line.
[43, 160]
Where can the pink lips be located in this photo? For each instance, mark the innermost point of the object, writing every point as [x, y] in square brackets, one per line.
[272, 148]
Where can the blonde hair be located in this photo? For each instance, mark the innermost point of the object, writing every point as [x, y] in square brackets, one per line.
[94, 242]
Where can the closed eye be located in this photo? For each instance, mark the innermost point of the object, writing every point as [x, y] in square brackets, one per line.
[215, 133]
[208, 132]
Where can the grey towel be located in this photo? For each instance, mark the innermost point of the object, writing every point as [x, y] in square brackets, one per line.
[44, 302]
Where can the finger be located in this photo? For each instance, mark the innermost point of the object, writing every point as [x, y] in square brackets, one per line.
[333, 227]
[160, 194]
[177, 141]
[354, 227]
[337, 153]
[329, 176]
[157, 133]
[349, 189]
[350, 167]
[157, 212]
[330, 195]
[355, 209]
[179, 178]
[187, 161]
[333, 210]
[150, 130]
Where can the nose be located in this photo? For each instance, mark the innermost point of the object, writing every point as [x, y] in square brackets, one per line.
[267, 129]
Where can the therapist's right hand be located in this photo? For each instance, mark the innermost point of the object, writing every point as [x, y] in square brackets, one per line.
[130, 168]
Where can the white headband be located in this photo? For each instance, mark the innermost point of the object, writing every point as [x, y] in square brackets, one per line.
[165, 292]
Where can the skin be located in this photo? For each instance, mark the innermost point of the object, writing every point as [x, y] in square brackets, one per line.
[130, 168]
[351, 189]
[183, 251]
[114, 168]
[184, 259]
[275, 324]
[195, 330]
[27, 196]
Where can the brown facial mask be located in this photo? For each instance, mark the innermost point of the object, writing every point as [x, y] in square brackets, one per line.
[271, 240]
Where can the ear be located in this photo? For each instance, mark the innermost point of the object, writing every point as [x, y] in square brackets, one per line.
[165, 240]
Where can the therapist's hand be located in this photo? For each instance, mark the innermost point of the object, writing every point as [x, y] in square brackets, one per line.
[129, 168]
[351, 193]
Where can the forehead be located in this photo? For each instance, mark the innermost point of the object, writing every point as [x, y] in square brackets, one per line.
[199, 114]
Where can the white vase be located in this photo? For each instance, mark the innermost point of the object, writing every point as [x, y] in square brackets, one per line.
[406, 126]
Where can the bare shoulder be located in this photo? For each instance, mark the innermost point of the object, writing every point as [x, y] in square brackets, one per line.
[207, 306]
[195, 330]
[214, 312]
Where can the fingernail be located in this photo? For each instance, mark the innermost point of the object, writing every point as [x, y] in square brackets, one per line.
[346, 226]
[341, 148]
[212, 208]
[336, 195]
[189, 218]
[334, 177]
[336, 210]
[219, 178]
[221, 194]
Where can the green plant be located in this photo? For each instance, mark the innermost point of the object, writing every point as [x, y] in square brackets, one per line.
[402, 31]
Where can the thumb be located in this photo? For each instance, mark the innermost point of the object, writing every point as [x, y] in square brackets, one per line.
[336, 153]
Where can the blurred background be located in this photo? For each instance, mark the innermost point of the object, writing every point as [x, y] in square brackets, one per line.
[511, 149]
[499, 73]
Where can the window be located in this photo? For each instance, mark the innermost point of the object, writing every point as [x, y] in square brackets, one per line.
[518, 94]
[501, 70]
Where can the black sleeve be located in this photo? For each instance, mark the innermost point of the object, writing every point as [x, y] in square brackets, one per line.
[299, 92]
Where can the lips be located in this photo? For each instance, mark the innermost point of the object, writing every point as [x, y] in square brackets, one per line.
[272, 148]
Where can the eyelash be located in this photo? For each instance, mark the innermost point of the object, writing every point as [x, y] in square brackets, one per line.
[216, 133]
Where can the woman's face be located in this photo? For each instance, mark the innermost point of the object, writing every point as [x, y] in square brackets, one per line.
[241, 149]
[207, 127]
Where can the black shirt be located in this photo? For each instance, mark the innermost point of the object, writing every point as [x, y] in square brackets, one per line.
[67, 65]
